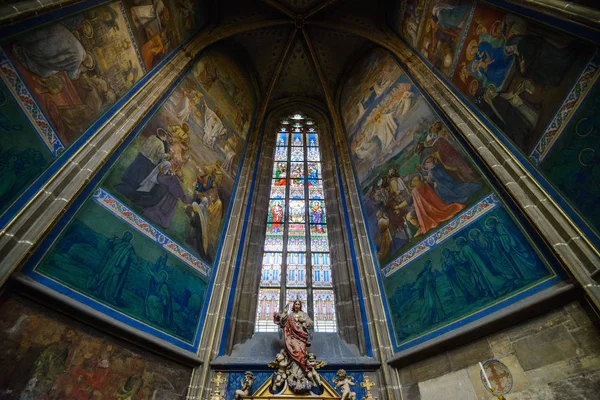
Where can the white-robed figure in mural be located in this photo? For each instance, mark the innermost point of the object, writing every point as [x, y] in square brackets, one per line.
[383, 125]
[145, 15]
[213, 127]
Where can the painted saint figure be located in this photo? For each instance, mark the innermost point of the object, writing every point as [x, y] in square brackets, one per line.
[109, 283]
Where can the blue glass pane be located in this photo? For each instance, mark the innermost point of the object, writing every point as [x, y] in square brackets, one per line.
[296, 189]
[313, 154]
[314, 172]
[297, 139]
[282, 139]
[313, 139]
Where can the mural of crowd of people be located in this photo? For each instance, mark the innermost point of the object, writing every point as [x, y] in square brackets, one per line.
[44, 355]
[517, 72]
[179, 173]
[484, 263]
[76, 69]
[413, 176]
[105, 259]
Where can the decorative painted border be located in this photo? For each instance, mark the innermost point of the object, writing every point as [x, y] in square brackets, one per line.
[563, 115]
[473, 213]
[462, 40]
[135, 45]
[9, 74]
[106, 200]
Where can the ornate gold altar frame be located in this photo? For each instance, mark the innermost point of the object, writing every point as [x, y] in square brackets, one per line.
[263, 393]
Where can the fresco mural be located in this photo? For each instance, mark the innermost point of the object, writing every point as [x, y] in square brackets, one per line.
[413, 176]
[178, 174]
[411, 20]
[23, 155]
[484, 263]
[77, 68]
[106, 260]
[516, 72]
[44, 355]
[444, 24]
[573, 164]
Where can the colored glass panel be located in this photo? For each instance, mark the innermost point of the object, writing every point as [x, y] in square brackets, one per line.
[280, 170]
[318, 242]
[321, 276]
[274, 238]
[296, 242]
[268, 303]
[297, 139]
[297, 154]
[276, 212]
[324, 310]
[277, 191]
[317, 212]
[295, 294]
[313, 140]
[296, 170]
[271, 270]
[282, 139]
[296, 270]
[280, 153]
[296, 189]
[297, 211]
[315, 191]
[313, 154]
[313, 173]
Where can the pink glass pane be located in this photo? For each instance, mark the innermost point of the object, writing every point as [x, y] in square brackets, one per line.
[324, 310]
[292, 295]
[268, 303]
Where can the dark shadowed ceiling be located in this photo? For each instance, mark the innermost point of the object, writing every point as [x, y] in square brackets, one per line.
[296, 46]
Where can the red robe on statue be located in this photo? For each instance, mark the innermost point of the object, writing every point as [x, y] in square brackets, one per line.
[430, 209]
[295, 341]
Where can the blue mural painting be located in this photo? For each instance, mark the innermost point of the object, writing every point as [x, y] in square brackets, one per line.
[486, 262]
[23, 155]
[107, 261]
[573, 164]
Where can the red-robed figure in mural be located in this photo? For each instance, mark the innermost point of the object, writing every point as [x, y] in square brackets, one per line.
[296, 327]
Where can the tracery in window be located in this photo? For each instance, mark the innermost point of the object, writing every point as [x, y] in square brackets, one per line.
[294, 263]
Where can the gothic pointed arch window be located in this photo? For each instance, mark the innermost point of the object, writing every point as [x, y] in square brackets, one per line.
[296, 263]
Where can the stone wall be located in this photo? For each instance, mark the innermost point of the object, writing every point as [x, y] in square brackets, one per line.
[552, 357]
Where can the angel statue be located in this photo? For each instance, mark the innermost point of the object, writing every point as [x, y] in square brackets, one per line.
[282, 363]
[344, 382]
[247, 382]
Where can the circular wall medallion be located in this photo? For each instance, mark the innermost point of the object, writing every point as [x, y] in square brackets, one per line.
[498, 375]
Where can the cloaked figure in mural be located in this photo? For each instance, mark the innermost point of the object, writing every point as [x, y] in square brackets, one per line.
[448, 189]
[162, 213]
[158, 306]
[108, 284]
[198, 236]
[432, 311]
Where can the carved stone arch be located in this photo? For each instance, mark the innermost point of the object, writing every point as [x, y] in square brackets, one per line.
[243, 312]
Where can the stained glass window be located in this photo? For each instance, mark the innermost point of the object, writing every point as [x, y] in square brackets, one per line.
[296, 252]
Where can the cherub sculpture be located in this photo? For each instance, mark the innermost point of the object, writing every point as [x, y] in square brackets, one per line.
[343, 382]
[313, 365]
[282, 363]
[247, 382]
